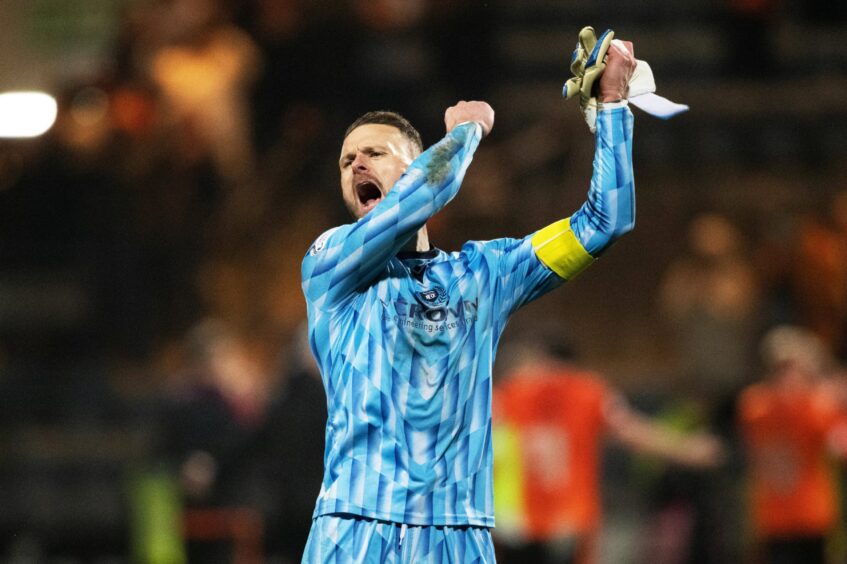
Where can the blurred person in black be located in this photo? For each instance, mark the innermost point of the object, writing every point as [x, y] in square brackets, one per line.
[236, 443]
[291, 444]
[215, 408]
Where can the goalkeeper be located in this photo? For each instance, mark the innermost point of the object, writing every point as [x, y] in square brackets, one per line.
[405, 333]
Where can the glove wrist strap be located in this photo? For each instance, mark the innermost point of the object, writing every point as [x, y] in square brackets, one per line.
[612, 105]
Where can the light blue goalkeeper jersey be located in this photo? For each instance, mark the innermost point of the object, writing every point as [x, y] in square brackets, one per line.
[406, 342]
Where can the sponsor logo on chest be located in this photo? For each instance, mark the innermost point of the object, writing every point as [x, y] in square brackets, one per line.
[431, 311]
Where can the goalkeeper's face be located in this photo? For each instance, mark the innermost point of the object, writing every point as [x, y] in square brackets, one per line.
[373, 157]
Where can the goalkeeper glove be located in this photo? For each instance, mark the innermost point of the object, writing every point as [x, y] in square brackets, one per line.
[587, 64]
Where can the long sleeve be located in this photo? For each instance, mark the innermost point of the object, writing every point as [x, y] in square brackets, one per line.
[570, 245]
[609, 211]
[349, 257]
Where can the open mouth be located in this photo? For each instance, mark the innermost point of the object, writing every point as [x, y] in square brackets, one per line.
[368, 193]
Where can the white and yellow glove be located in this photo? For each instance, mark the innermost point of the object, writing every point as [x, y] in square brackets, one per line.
[588, 62]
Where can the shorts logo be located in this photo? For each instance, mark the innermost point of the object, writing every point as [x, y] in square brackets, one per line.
[435, 297]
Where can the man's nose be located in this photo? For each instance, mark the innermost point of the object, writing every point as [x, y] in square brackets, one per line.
[360, 162]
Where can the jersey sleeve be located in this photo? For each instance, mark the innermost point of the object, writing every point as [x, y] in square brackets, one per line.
[517, 275]
[347, 258]
[569, 246]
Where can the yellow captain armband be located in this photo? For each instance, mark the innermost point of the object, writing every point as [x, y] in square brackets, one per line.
[558, 248]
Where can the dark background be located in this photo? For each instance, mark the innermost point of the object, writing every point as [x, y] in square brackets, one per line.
[150, 242]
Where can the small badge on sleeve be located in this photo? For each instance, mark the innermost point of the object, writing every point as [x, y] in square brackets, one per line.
[320, 244]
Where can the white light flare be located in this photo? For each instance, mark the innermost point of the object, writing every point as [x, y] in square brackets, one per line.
[26, 114]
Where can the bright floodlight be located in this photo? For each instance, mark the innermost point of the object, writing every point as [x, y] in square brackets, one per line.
[26, 114]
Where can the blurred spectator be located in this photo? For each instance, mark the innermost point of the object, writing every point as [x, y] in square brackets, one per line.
[291, 445]
[237, 444]
[787, 421]
[484, 206]
[219, 402]
[710, 297]
[839, 213]
[214, 411]
[802, 261]
[295, 159]
[819, 274]
[205, 72]
[550, 421]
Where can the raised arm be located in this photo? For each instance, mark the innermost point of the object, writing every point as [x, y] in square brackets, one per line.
[570, 245]
[351, 256]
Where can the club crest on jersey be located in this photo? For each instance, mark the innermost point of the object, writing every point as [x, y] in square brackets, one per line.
[434, 296]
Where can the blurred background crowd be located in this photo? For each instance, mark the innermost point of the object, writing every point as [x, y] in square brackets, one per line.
[157, 398]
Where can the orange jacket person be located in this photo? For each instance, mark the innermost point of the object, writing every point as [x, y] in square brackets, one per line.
[550, 422]
[786, 423]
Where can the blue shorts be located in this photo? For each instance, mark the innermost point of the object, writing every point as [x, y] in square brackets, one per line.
[343, 539]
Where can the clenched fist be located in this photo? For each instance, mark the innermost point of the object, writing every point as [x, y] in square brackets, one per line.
[620, 64]
[479, 112]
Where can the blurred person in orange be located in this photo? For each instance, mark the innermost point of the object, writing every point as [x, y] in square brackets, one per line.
[551, 419]
[819, 274]
[787, 423]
